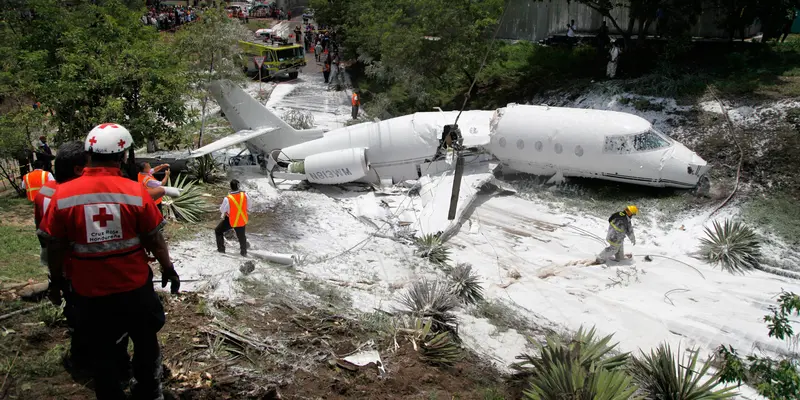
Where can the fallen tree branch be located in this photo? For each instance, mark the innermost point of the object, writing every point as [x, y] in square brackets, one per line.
[238, 339]
[10, 367]
[741, 152]
[666, 295]
[777, 271]
[676, 260]
[22, 311]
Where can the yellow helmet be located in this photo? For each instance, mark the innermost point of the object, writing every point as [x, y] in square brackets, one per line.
[632, 210]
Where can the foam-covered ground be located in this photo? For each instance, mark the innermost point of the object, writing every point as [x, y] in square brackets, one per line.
[527, 252]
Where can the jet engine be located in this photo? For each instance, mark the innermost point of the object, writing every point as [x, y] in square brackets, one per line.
[333, 167]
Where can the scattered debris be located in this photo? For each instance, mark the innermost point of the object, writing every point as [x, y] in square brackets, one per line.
[284, 259]
[248, 267]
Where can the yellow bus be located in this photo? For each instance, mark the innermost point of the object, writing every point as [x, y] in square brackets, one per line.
[279, 59]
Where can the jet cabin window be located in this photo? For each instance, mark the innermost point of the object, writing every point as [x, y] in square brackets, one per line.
[645, 141]
[650, 140]
[619, 144]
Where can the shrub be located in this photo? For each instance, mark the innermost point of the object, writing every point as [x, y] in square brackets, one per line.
[775, 379]
[430, 246]
[465, 284]
[205, 168]
[187, 207]
[298, 119]
[661, 375]
[731, 245]
[581, 367]
[434, 300]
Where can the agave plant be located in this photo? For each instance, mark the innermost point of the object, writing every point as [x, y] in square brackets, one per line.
[581, 367]
[568, 380]
[583, 347]
[435, 348]
[466, 285]
[731, 245]
[661, 375]
[441, 349]
[205, 168]
[434, 300]
[187, 207]
[430, 246]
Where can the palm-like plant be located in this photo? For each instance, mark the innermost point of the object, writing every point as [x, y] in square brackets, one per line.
[441, 349]
[435, 348]
[430, 246]
[434, 300]
[661, 375]
[570, 381]
[731, 245]
[187, 207]
[581, 367]
[466, 285]
[205, 168]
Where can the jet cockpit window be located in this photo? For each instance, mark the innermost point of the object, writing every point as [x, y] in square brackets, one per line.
[650, 140]
[618, 144]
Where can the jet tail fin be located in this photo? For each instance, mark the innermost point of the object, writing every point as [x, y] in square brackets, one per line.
[243, 111]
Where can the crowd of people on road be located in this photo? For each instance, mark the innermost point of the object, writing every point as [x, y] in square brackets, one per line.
[166, 17]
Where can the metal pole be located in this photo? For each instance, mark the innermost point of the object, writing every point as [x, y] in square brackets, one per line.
[451, 215]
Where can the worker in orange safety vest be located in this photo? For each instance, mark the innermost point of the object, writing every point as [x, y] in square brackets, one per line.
[102, 223]
[33, 181]
[356, 101]
[234, 216]
[146, 178]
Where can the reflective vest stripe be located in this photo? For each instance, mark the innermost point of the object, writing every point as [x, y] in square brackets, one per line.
[47, 191]
[241, 212]
[615, 227]
[82, 199]
[105, 247]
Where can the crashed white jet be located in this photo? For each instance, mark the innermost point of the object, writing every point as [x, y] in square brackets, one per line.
[531, 139]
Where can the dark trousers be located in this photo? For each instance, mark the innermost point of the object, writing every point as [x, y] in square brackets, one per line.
[225, 226]
[107, 323]
[355, 112]
[327, 75]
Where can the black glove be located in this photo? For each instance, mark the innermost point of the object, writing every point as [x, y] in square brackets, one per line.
[169, 274]
[54, 288]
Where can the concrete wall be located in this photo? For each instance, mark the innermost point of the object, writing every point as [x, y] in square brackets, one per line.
[535, 20]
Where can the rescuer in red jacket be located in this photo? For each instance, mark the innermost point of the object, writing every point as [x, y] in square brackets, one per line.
[103, 223]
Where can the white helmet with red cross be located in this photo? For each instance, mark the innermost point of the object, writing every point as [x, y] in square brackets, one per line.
[108, 138]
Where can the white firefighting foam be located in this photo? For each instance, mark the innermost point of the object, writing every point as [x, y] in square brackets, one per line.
[522, 250]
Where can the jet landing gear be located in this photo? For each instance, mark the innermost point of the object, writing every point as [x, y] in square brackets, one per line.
[703, 188]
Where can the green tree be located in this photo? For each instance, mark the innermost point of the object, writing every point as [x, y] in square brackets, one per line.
[92, 63]
[678, 15]
[418, 53]
[210, 50]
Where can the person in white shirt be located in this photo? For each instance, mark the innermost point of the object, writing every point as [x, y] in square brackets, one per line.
[611, 67]
[233, 211]
[571, 29]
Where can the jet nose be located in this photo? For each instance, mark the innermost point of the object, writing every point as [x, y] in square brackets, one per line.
[684, 168]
